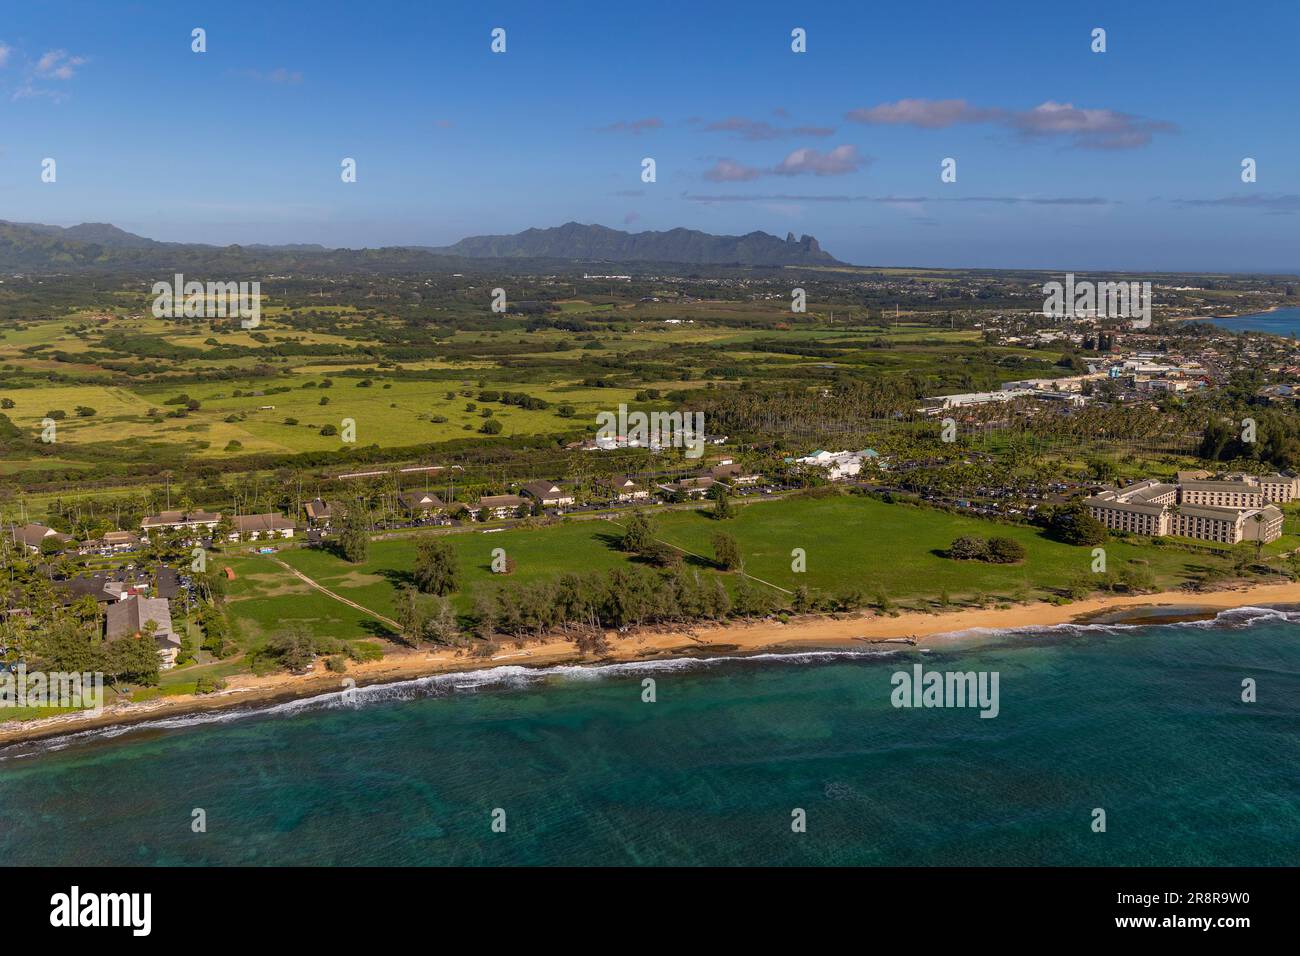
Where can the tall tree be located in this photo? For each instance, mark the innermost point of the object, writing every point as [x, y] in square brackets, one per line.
[354, 538]
[437, 568]
[726, 553]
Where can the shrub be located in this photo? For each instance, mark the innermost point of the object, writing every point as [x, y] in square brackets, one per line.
[1005, 551]
[969, 549]
[207, 684]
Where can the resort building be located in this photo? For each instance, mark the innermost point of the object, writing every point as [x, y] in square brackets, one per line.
[180, 521]
[1225, 512]
[549, 494]
[690, 487]
[735, 475]
[838, 465]
[1279, 488]
[1222, 494]
[501, 506]
[256, 527]
[1139, 509]
[622, 489]
[1240, 491]
[1227, 525]
[422, 503]
[113, 542]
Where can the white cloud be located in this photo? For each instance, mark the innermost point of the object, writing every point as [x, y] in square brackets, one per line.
[58, 65]
[839, 161]
[730, 171]
[1086, 128]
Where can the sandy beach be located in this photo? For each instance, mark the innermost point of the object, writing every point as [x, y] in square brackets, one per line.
[729, 639]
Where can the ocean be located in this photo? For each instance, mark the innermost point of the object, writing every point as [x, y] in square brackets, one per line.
[1144, 722]
[1284, 322]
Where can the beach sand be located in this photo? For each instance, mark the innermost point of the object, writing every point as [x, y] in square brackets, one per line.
[802, 633]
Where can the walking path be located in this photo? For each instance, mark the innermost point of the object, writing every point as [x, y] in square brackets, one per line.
[677, 547]
[338, 597]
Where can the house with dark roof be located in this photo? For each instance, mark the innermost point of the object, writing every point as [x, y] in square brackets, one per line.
[734, 475]
[690, 487]
[34, 537]
[549, 494]
[320, 513]
[112, 542]
[257, 527]
[196, 522]
[129, 618]
[421, 503]
[624, 488]
[501, 506]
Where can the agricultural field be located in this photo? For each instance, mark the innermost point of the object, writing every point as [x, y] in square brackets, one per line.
[117, 379]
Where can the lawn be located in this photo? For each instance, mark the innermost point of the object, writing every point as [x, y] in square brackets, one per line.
[853, 541]
[849, 541]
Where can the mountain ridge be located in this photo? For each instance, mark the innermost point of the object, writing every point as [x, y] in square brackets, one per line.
[103, 246]
[575, 240]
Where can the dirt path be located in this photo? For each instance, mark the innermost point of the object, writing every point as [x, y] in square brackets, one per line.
[677, 547]
[338, 597]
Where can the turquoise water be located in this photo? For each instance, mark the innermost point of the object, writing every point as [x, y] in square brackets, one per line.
[1146, 723]
[1284, 322]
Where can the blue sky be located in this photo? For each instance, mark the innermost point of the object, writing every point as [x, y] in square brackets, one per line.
[1066, 159]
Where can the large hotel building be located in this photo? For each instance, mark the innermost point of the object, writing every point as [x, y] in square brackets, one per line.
[1228, 510]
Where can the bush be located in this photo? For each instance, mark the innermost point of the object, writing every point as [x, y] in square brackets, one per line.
[969, 549]
[1072, 524]
[661, 555]
[1005, 551]
[207, 684]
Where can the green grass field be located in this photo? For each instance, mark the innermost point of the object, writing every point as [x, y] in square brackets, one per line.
[850, 542]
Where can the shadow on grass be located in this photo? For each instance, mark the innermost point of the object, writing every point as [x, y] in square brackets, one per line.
[611, 540]
[379, 629]
[397, 577]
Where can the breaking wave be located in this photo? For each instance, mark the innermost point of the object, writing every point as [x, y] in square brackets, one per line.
[515, 676]
[505, 676]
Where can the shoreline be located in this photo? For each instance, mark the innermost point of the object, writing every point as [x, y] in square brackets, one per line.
[812, 632]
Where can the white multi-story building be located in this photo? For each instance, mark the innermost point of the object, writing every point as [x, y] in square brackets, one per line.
[1226, 511]
[1138, 509]
[838, 465]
